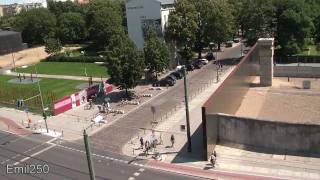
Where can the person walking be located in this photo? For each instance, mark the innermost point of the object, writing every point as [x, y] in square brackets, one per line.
[172, 140]
[141, 143]
[147, 146]
[213, 159]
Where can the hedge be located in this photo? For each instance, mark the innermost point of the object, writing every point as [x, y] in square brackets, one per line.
[87, 59]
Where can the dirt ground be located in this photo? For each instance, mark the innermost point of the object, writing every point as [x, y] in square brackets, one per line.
[25, 57]
[284, 101]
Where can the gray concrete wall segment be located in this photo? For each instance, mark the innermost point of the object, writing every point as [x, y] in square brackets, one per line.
[297, 71]
[228, 97]
[274, 136]
[212, 133]
[265, 48]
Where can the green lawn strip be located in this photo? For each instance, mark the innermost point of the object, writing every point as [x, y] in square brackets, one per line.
[67, 68]
[52, 90]
[313, 51]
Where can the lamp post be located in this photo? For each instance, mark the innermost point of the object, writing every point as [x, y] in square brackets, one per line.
[84, 63]
[42, 105]
[186, 53]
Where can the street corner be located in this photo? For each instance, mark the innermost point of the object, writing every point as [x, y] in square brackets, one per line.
[10, 126]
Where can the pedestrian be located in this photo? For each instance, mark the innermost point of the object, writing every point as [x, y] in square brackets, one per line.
[213, 159]
[147, 146]
[172, 140]
[141, 143]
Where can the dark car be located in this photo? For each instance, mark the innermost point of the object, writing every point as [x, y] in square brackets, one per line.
[210, 56]
[177, 74]
[172, 77]
[164, 82]
[198, 64]
[190, 67]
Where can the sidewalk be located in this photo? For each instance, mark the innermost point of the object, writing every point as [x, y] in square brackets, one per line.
[10, 126]
[79, 78]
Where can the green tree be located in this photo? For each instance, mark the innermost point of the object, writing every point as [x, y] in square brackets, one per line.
[317, 29]
[71, 28]
[105, 20]
[35, 25]
[125, 64]
[294, 26]
[60, 7]
[257, 19]
[52, 46]
[156, 53]
[182, 24]
[220, 22]
[7, 21]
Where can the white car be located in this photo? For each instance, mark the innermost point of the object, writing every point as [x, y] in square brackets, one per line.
[204, 61]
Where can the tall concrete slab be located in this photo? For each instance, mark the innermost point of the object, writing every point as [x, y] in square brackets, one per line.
[266, 51]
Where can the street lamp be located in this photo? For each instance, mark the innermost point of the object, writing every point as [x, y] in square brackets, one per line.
[84, 63]
[42, 105]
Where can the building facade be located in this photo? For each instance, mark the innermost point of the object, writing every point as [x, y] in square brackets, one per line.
[143, 14]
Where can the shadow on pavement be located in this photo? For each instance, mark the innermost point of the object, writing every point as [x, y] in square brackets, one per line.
[197, 149]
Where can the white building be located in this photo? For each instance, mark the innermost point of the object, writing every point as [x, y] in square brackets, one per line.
[141, 14]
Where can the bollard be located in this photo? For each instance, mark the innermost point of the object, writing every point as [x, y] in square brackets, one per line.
[61, 133]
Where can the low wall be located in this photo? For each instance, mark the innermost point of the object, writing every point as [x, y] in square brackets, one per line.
[297, 71]
[279, 137]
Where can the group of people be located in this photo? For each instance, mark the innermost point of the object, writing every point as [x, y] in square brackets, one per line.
[146, 145]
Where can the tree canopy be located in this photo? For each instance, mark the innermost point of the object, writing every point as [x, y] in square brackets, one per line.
[35, 25]
[157, 57]
[71, 27]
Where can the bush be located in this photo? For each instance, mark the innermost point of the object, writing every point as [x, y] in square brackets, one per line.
[87, 59]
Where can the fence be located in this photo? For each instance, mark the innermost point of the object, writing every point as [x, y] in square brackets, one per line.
[297, 59]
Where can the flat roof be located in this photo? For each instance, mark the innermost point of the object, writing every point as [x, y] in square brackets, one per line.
[284, 101]
[6, 33]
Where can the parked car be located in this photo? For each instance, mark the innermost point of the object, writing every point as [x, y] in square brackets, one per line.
[172, 77]
[210, 56]
[164, 82]
[190, 67]
[197, 64]
[177, 74]
[236, 40]
[178, 68]
[229, 43]
[204, 61]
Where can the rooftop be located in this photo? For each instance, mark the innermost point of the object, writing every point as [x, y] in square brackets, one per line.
[5, 33]
[284, 101]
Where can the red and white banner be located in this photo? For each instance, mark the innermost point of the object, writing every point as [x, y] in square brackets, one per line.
[76, 99]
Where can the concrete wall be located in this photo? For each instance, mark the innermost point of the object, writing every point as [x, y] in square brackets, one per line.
[296, 71]
[228, 97]
[279, 137]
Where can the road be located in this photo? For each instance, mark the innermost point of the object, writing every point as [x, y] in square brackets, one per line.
[115, 136]
[68, 161]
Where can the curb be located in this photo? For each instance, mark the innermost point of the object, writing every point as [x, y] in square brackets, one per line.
[207, 174]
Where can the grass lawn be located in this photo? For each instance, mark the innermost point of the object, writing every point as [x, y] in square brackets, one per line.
[312, 52]
[67, 68]
[52, 89]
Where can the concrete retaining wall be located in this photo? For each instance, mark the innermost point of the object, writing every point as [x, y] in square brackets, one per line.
[297, 71]
[278, 137]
